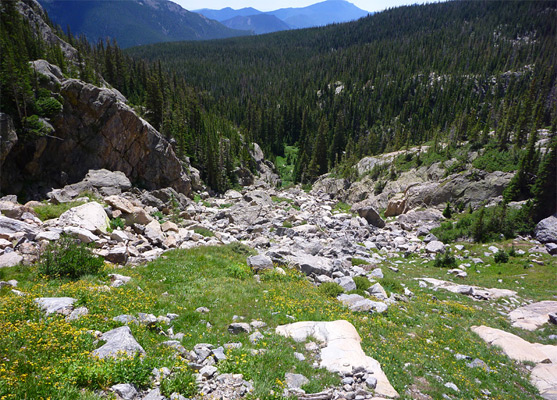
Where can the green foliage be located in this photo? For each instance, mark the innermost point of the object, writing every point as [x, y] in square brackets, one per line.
[379, 186]
[287, 224]
[358, 261]
[117, 223]
[241, 249]
[67, 258]
[331, 289]
[341, 207]
[493, 159]
[48, 107]
[48, 211]
[34, 126]
[362, 283]
[159, 216]
[448, 212]
[182, 382]
[501, 257]
[488, 224]
[391, 285]
[238, 271]
[203, 231]
[445, 260]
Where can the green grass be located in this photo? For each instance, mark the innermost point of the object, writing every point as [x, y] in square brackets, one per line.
[414, 341]
[203, 231]
[48, 211]
[342, 207]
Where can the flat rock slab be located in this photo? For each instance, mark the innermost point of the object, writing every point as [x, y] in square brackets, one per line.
[343, 351]
[516, 347]
[473, 291]
[51, 305]
[544, 377]
[532, 316]
[119, 342]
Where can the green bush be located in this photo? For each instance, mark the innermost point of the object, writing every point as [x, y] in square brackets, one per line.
[488, 224]
[362, 283]
[242, 249]
[391, 286]
[238, 271]
[67, 258]
[182, 382]
[331, 289]
[501, 257]
[448, 212]
[358, 261]
[48, 106]
[445, 260]
[35, 126]
[117, 223]
[203, 231]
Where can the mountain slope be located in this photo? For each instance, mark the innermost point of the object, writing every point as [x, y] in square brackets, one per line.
[453, 72]
[134, 22]
[258, 24]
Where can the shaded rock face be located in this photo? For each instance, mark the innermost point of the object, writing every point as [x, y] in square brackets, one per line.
[95, 130]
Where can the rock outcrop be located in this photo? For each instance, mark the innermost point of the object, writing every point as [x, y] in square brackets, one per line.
[96, 129]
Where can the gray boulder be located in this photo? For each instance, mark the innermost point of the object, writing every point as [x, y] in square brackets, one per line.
[260, 262]
[9, 227]
[61, 305]
[119, 342]
[10, 259]
[435, 246]
[239, 327]
[295, 381]
[369, 214]
[9, 138]
[90, 216]
[546, 230]
[309, 264]
[126, 391]
[347, 283]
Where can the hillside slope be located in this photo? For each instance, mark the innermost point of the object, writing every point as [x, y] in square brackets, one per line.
[136, 22]
[258, 23]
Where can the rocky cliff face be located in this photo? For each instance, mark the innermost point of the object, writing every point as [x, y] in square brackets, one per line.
[96, 129]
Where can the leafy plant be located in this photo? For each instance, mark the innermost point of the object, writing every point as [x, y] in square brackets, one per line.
[358, 261]
[182, 382]
[448, 212]
[116, 223]
[331, 289]
[68, 258]
[391, 285]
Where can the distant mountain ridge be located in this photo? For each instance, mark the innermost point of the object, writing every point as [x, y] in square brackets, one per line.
[134, 22]
[319, 14]
[257, 23]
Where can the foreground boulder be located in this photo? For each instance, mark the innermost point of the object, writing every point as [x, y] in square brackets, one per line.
[369, 213]
[342, 352]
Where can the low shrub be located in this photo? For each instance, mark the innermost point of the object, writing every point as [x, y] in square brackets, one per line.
[445, 260]
[68, 258]
[358, 261]
[362, 283]
[391, 286]
[49, 211]
[331, 289]
[203, 231]
[501, 257]
[117, 223]
[182, 382]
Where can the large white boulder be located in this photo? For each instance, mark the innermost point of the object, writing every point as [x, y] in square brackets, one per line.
[90, 216]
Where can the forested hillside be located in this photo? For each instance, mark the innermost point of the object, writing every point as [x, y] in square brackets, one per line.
[447, 72]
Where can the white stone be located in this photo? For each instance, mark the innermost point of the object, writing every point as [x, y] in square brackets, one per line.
[90, 216]
[342, 351]
[532, 316]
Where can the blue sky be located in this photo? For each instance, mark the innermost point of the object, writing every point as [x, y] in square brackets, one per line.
[266, 5]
